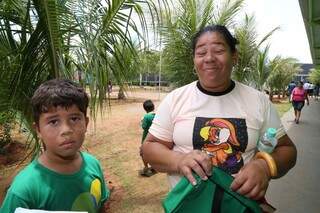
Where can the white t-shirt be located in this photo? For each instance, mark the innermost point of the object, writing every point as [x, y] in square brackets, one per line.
[225, 125]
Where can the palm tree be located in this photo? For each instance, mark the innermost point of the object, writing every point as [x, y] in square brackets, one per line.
[315, 76]
[180, 25]
[45, 39]
[282, 71]
[248, 51]
[261, 72]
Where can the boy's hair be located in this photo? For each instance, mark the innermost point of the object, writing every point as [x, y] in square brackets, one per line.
[58, 92]
[148, 106]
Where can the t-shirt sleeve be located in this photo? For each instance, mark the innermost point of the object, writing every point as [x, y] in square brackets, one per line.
[162, 125]
[105, 192]
[11, 202]
[145, 122]
[271, 119]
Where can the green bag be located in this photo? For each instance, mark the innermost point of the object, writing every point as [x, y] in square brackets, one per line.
[211, 196]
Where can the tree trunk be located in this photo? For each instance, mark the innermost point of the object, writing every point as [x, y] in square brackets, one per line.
[121, 95]
[271, 95]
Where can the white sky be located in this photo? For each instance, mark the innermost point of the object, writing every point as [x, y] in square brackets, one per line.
[291, 40]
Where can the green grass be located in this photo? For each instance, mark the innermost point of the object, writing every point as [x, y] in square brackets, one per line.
[282, 107]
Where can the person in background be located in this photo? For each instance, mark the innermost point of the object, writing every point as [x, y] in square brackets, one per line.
[109, 86]
[61, 178]
[316, 91]
[212, 122]
[146, 122]
[298, 97]
[291, 86]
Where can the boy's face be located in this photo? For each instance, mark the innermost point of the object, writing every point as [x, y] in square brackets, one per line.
[62, 130]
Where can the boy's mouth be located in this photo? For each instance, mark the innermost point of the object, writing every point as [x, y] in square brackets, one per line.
[67, 143]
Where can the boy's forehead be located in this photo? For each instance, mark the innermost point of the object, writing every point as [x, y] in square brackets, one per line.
[54, 109]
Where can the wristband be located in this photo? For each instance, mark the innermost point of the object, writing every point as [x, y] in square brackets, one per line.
[270, 161]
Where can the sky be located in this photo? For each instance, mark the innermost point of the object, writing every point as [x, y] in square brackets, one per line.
[291, 40]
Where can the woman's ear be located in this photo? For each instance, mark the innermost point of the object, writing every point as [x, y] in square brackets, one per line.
[235, 56]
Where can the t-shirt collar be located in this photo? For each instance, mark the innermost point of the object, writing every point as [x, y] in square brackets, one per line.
[229, 89]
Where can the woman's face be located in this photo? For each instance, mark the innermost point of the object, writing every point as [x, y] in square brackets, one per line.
[213, 61]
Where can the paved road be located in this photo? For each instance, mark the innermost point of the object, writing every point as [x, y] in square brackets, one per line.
[299, 190]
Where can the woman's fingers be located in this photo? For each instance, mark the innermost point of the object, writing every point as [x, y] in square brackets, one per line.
[187, 172]
[252, 180]
[197, 162]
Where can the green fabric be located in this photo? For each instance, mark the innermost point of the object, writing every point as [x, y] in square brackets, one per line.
[186, 198]
[146, 123]
[37, 187]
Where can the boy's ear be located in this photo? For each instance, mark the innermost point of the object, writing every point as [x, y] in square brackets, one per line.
[87, 121]
[35, 126]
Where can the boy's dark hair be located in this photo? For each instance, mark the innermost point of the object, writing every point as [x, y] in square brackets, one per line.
[231, 41]
[148, 106]
[58, 92]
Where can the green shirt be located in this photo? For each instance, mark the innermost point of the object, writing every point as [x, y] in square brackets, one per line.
[146, 123]
[37, 187]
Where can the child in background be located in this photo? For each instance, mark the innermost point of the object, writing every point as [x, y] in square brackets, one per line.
[61, 178]
[146, 122]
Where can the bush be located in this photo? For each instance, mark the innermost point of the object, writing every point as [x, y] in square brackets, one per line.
[6, 121]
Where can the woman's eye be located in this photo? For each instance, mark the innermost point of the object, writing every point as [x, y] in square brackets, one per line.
[201, 53]
[219, 51]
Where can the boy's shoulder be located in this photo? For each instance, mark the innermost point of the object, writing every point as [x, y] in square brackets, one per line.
[149, 115]
[26, 177]
[90, 160]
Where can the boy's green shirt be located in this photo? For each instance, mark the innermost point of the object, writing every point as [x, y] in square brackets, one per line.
[146, 123]
[37, 187]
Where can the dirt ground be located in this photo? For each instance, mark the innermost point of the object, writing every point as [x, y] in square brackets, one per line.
[115, 139]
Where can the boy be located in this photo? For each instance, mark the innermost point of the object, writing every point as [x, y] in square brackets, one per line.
[62, 177]
[146, 122]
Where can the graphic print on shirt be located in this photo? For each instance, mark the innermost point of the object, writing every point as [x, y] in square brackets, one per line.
[224, 139]
[89, 201]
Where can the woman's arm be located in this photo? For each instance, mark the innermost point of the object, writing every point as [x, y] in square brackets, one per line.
[162, 158]
[306, 97]
[285, 155]
[253, 179]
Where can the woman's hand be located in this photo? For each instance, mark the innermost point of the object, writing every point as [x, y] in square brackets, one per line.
[252, 180]
[196, 161]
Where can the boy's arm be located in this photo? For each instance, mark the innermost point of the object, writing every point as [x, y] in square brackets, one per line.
[144, 122]
[105, 192]
[11, 202]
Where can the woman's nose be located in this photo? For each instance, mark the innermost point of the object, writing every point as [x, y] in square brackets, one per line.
[209, 57]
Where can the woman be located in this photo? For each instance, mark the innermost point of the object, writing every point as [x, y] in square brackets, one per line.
[216, 121]
[298, 97]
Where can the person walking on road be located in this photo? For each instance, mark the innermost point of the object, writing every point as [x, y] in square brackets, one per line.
[298, 97]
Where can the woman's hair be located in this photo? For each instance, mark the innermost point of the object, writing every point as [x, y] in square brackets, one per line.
[58, 92]
[231, 41]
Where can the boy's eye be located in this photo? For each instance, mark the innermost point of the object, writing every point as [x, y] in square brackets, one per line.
[53, 122]
[75, 118]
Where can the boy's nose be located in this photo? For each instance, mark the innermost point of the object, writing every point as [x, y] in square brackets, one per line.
[66, 129]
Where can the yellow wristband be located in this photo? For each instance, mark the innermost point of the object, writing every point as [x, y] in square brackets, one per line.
[270, 161]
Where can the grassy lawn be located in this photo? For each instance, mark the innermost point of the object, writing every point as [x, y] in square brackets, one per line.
[282, 107]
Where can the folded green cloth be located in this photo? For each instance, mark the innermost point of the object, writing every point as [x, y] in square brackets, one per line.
[211, 196]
